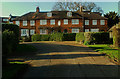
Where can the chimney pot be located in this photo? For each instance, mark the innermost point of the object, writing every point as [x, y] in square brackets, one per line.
[37, 9]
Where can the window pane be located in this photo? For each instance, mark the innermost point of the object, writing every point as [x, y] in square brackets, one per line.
[69, 14]
[49, 14]
[86, 22]
[94, 22]
[43, 22]
[43, 31]
[17, 23]
[94, 30]
[32, 23]
[32, 32]
[52, 22]
[75, 21]
[86, 30]
[75, 30]
[65, 21]
[24, 23]
[102, 22]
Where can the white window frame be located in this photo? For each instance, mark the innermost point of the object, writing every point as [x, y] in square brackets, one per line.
[69, 14]
[32, 31]
[43, 31]
[17, 23]
[32, 23]
[5, 20]
[65, 21]
[75, 30]
[24, 23]
[86, 22]
[86, 30]
[75, 21]
[94, 30]
[52, 22]
[43, 22]
[102, 22]
[24, 32]
[94, 22]
[49, 14]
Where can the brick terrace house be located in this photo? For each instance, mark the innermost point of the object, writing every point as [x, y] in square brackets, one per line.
[60, 21]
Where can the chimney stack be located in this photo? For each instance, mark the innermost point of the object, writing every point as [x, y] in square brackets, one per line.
[37, 9]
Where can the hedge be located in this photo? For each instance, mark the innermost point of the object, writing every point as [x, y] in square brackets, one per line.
[69, 36]
[37, 37]
[80, 37]
[56, 37]
[97, 38]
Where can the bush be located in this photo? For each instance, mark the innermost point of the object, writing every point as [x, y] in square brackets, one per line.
[37, 37]
[80, 37]
[69, 36]
[97, 38]
[25, 38]
[15, 29]
[8, 42]
[56, 37]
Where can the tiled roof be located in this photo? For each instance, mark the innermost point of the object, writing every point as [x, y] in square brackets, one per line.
[59, 15]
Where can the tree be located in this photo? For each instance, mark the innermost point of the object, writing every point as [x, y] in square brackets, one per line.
[113, 18]
[74, 6]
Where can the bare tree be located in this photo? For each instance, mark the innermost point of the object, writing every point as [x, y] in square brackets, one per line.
[74, 6]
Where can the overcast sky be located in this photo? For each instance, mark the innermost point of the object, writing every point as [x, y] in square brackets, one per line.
[20, 8]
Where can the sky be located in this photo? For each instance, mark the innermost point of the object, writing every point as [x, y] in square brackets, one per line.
[20, 8]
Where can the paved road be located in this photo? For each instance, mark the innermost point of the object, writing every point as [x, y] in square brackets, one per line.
[68, 59]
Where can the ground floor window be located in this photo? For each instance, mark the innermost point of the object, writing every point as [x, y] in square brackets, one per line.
[75, 30]
[24, 32]
[43, 31]
[94, 30]
[86, 30]
[32, 32]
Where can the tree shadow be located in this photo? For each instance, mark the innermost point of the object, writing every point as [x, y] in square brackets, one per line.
[73, 70]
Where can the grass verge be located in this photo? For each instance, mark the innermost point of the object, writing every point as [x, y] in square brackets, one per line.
[112, 53]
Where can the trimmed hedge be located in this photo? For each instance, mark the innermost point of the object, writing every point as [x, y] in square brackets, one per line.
[56, 37]
[69, 36]
[97, 38]
[80, 37]
[37, 37]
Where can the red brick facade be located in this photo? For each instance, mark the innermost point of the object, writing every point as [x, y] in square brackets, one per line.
[61, 27]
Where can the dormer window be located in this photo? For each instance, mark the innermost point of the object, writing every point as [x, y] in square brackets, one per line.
[49, 14]
[69, 14]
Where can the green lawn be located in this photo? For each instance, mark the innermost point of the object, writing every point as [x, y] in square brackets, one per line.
[104, 48]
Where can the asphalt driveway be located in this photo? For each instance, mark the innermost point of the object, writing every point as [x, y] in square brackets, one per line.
[67, 59]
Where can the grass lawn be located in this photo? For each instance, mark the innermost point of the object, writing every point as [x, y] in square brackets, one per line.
[114, 54]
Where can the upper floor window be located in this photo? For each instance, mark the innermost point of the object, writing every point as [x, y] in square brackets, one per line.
[94, 22]
[69, 14]
[52, 22]
[49, 14]
[32, 22]
[24, 23]
[5, 20]
[17, 23]
[102, 22]
[43, 22]
[75, 21]
[65, 21]
[86, 22]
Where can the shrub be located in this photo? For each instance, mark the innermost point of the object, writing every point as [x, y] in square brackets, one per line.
[8, 42]
[15, 29]
[25, 38]
[97, 38]
[56, 37]
[37, 37]
[69, 36]
[80, 37]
